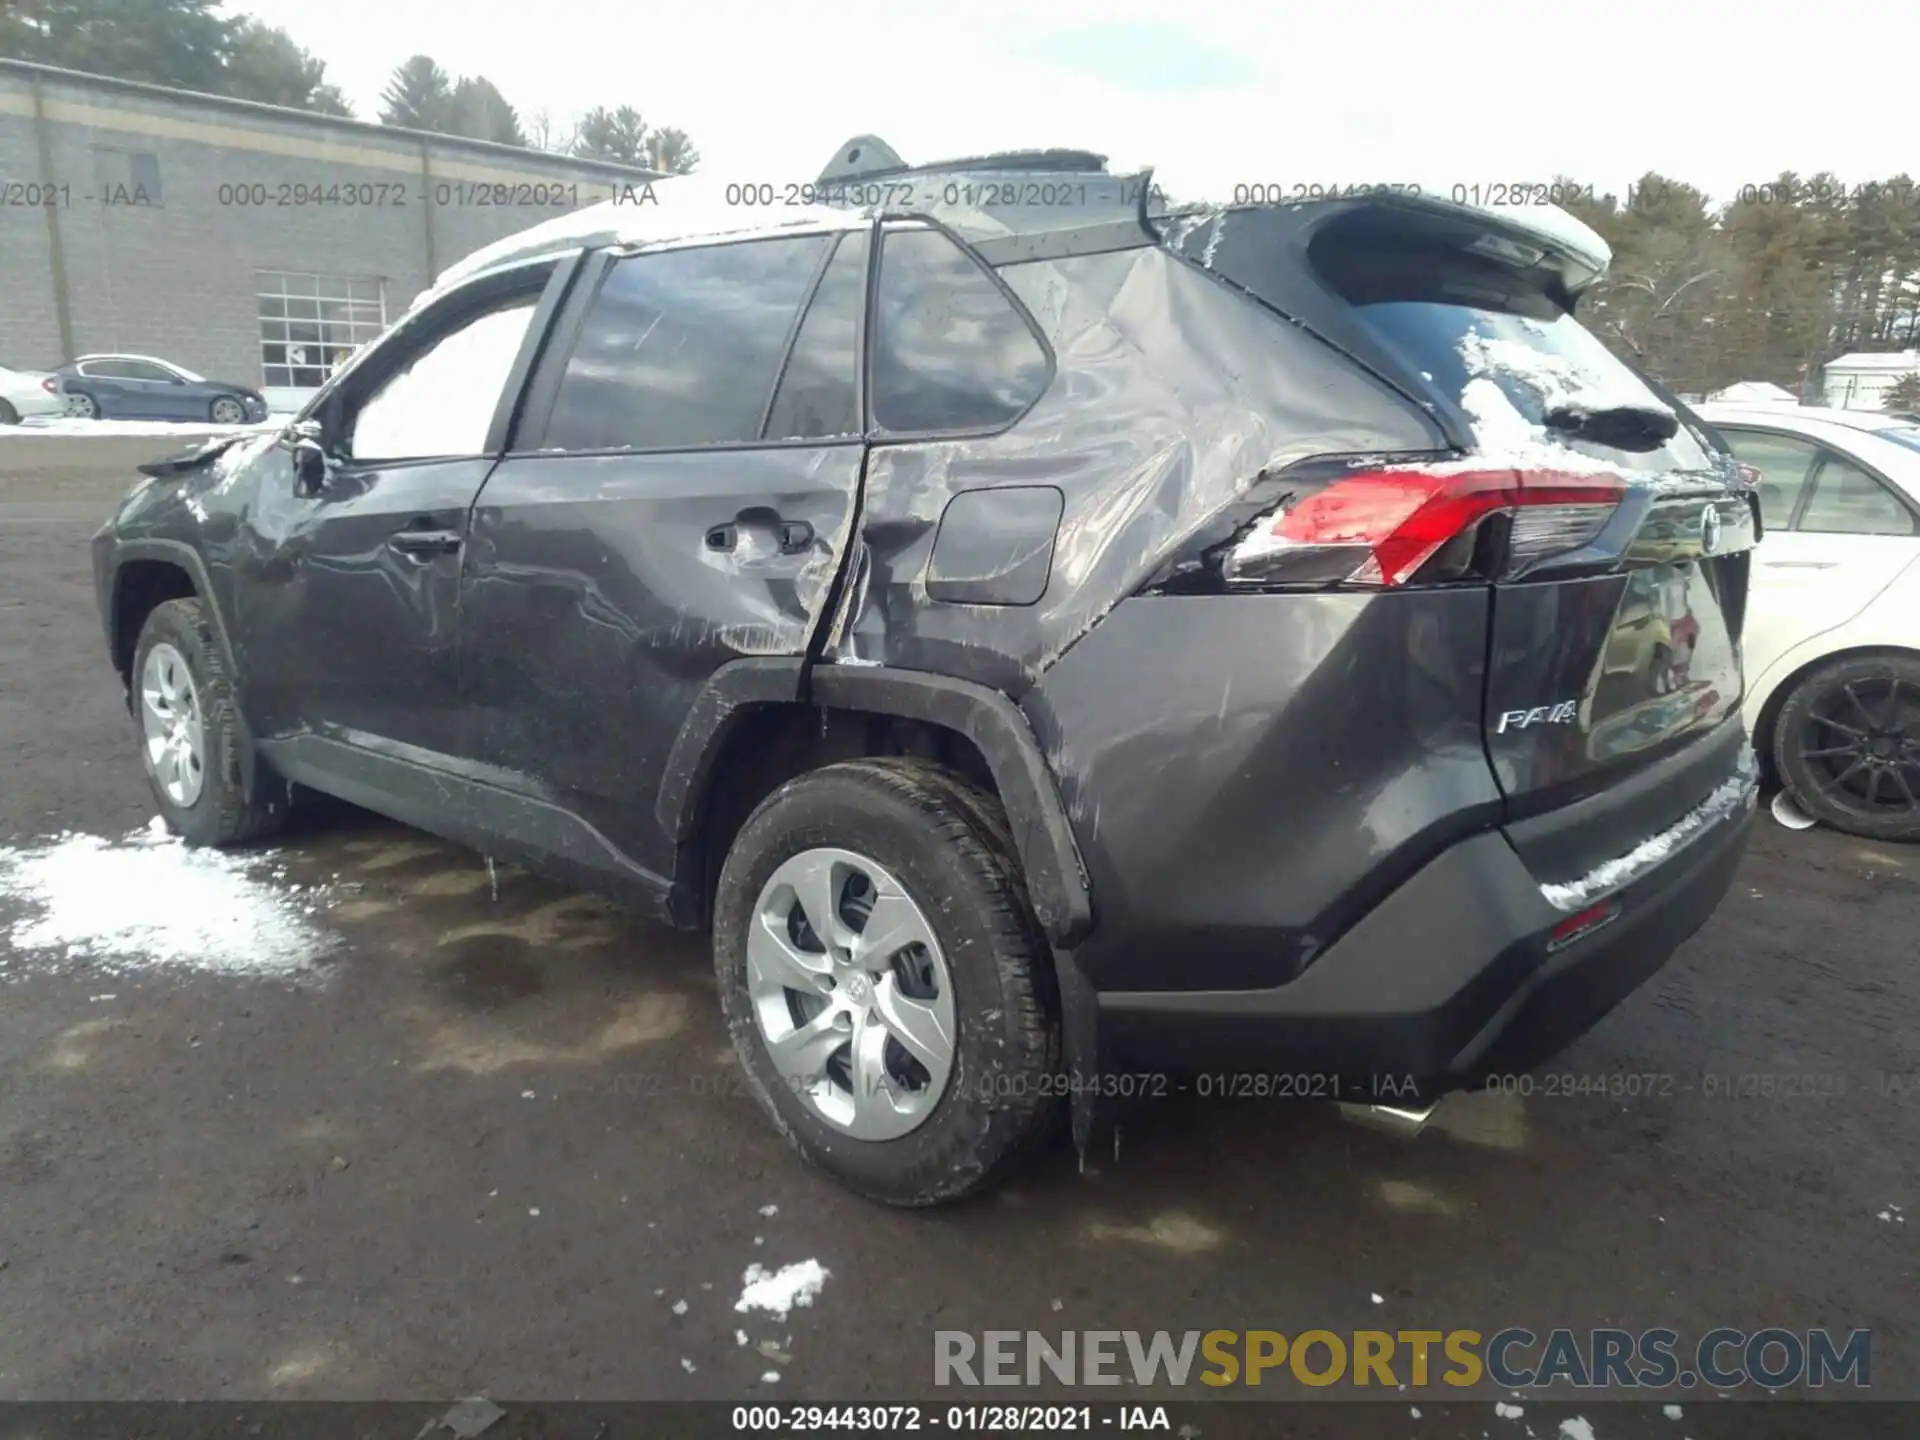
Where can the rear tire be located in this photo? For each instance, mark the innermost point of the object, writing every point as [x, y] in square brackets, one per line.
[1846, 745]
[942, 842]
[8, 415]
[205, 803]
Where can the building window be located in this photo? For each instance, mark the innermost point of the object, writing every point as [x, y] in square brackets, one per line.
[125, 177]
[310, 323]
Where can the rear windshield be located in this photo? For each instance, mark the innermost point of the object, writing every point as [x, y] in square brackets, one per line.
[1497, 340]
[1508, 366]
[1907, 435]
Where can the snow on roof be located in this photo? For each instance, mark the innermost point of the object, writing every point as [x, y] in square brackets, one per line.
[1899, 360]
[685, 207]
[1754, 392]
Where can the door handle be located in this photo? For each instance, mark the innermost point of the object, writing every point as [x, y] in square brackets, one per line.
[424, 544]
[795, 536]
[723, 537]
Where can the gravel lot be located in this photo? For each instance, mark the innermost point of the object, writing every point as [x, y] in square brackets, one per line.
[489, 1143]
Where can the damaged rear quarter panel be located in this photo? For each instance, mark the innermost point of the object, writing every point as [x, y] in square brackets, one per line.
[1172, 394]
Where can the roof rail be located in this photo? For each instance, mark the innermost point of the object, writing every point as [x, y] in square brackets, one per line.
[868, 157]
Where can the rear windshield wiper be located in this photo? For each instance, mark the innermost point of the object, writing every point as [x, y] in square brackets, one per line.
[1622, 427]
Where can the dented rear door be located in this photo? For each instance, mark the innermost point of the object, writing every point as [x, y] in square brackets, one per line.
[681, 497]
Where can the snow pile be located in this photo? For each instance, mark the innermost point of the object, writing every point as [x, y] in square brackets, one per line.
[74, 425]
[779, 1291]
[148, 902]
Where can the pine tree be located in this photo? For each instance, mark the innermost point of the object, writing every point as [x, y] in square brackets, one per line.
[265, 64]
[670, 151]
[181, 43]
[418, 97]
[1904, 396]
[478, 110]
[617, 135]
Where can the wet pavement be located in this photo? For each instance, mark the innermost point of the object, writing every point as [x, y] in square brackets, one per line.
[488, 1137]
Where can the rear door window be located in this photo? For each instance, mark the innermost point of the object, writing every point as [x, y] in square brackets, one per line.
[1846, 500]
[819, 394]
[951, 351]
[681, 347]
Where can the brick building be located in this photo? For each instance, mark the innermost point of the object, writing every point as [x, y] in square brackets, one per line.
[247, 242]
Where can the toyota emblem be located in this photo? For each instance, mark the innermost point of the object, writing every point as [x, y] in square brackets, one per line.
[1710, 529]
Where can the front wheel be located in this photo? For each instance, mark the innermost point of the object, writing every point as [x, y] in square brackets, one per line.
[190, 734]
[228, 411]
[884, 982]
[8, 415]
[83, 406]
[1847, 744]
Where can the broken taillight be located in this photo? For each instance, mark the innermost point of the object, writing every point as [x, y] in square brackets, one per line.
[1379, 527]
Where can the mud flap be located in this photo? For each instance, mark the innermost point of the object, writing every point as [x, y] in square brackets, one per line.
[1095, 1113]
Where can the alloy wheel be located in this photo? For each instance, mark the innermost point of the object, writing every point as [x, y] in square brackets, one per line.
[172, 725]
[1861, 742]
[228, 412]
[851, 993]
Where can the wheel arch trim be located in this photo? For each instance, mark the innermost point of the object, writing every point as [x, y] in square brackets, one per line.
[1056, 877]
[184, 557]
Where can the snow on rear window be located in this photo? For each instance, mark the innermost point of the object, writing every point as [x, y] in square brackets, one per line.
[1509, 371]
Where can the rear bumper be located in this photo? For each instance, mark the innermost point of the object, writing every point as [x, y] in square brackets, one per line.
[1449, 980]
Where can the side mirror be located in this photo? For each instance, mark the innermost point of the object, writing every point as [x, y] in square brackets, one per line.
[310, 466]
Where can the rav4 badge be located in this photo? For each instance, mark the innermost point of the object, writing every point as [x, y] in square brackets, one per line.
[1560, 714]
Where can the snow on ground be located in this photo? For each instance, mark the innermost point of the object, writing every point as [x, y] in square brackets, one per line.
[147, 902]
[779, 1291]
[73, 425]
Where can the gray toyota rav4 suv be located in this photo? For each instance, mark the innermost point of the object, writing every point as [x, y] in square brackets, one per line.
[1060, 645]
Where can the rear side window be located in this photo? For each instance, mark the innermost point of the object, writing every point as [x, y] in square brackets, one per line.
[1847, 500]
[819, 394]
[951, 353]
[680, 348]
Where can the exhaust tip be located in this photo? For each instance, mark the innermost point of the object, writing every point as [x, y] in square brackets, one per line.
[1394, 1119]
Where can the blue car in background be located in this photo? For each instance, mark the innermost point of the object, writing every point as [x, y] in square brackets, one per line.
[140, 387]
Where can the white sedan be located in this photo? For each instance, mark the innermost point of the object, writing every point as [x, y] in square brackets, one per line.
[1832, 634]
[28, 392]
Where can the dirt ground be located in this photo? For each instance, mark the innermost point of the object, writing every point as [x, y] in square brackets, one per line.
[493, 1141]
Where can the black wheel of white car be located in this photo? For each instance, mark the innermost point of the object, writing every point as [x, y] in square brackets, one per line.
[82, 406]
[189, 734]
[1847, 744]
[228, 411]
[884, 982]
[8, 415]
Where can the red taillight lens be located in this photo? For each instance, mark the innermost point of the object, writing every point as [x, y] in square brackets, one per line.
[1391, 522]
[50, 385]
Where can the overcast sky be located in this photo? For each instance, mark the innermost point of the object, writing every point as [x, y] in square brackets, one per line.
[1212, 94]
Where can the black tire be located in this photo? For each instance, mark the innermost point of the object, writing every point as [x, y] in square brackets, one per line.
[223, 813]
[948, 845]
[213, 410]
[82, 404]
[1818, 716]
[8, 415]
